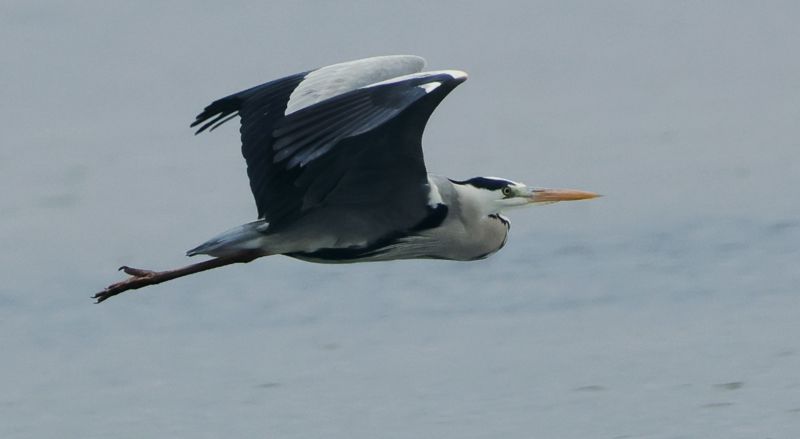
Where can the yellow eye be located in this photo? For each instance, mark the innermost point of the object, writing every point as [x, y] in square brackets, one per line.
[507, 191]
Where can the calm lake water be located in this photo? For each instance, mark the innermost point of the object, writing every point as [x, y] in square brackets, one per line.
[667, 309]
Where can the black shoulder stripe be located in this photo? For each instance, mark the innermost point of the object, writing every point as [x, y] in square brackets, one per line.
[435, 218]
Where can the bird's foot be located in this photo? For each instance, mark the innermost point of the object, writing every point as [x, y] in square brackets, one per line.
[139, 278]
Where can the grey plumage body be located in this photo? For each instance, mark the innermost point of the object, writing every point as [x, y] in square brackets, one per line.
[335, 164]
[466, 233]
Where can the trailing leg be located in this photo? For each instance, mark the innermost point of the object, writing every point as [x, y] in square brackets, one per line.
[141, 278]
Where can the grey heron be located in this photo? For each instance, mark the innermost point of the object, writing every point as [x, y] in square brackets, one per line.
[335, 163]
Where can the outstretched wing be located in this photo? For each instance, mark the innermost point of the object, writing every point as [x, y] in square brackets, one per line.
[345, 138]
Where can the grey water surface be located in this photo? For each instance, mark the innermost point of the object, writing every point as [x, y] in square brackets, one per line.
[667, 309]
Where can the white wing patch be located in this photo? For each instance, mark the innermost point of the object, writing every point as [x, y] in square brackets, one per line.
[455, 74]
[434, 197]
[330, 81]
[429, 87]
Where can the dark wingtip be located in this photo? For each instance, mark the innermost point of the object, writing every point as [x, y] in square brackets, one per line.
[217, 113]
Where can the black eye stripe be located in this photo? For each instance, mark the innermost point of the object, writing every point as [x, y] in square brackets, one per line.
[486, 183]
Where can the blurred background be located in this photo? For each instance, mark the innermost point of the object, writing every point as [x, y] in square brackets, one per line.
[666, 309]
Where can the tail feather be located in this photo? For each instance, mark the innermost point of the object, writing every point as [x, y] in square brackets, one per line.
[245, 237]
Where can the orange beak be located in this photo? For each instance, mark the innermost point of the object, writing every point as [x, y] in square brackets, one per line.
[556, 195]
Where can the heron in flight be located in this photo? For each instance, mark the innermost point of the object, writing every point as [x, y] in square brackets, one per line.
[334, 158]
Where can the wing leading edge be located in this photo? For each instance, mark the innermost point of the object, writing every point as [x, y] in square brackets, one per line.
[357, 149]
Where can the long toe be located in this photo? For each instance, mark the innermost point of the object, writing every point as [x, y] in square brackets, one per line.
[138, 279]
[103, 295]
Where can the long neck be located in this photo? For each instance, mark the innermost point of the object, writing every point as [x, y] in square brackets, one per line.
[474, 202]
[476, 231]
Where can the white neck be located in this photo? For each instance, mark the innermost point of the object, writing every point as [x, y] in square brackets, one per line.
[480, 201]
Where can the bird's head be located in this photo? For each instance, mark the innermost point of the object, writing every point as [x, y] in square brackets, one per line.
[495, 195]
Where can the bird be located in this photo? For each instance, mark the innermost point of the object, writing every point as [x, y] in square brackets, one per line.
[335, 165]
